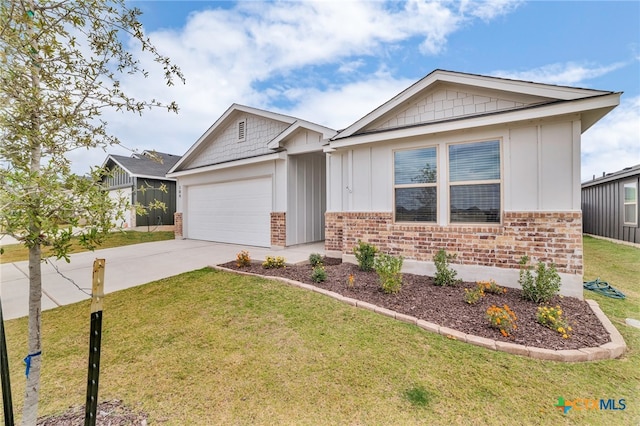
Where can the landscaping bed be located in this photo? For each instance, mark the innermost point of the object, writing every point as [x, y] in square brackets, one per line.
[445, 306]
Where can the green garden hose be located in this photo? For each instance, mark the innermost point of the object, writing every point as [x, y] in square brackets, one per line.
[603, 288]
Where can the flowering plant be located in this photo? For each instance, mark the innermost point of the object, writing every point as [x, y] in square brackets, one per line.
[491, 287]
[273, 262]
[551, 317]
[504, 319]
[243, 259]
[471, 296]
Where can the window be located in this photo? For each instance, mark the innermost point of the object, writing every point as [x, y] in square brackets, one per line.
[242, 130]
[630, 203]
[415, 179]
[474, 182]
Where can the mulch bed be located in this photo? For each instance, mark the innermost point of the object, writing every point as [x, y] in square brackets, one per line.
[445, 306]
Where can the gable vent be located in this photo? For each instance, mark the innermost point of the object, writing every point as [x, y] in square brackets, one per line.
[242, 130]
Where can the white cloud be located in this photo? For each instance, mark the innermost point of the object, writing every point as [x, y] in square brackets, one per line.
[569, 73]
[227, 55]
[613, 143]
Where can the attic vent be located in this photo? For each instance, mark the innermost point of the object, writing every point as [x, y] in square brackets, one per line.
[242, 127]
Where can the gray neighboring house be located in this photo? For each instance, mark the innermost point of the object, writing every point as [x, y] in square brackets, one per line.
[147, 169]
[610, 205]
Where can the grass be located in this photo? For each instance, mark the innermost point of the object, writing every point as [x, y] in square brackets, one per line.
[17, 252]
[209, 347]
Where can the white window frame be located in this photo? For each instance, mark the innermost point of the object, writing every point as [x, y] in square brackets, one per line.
[499, 181]
[417, 185]
[626, 203]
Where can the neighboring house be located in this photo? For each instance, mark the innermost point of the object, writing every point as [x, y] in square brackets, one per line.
[256, 178]
[148, 170]
[610, 205]
[483, 167]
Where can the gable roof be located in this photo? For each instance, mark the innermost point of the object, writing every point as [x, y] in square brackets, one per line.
[620, 174]
[149, 164]
[537, 96]
[292, 122]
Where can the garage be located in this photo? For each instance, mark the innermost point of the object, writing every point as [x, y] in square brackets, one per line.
[235, 212]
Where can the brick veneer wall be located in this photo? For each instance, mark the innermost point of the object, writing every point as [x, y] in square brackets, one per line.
[278, 229]
[543, 236]
[177, 229]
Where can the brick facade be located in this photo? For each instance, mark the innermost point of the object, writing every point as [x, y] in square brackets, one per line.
[177, 229]
[543, 236]
[278, 229]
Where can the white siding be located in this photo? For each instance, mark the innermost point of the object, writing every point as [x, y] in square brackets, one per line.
[225, 146]
[306, 198]
[538, 165]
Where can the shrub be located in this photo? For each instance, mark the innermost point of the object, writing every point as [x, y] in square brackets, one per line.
[491, 287]
[543, 286]
[365, 254]
[351, 280]
[315, 259]
[444, 274]
[472, 296]
[388, 269]
[243, 259]
[272, 262]
[319, 274]
[504, 319]
[551, 317]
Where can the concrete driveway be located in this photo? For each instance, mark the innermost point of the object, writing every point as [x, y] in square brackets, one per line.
[126, 267]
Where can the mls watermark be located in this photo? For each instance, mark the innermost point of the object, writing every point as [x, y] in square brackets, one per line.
[580, 404]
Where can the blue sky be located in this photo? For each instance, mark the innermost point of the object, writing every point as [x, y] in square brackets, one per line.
[331, 62]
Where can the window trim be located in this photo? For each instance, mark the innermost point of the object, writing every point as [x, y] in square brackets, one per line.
[625, 203]
[476, 182]
[435, 184]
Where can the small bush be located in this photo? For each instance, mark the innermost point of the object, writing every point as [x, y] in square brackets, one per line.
[491, 287]
[472, 296]
[504, 319]
[551, 317]
[543, 286]
[444, 274]
[388, 269]
[243, 259]
[365, 254]
[272, 262]
[351, 280]
[318, 274]
[315, 259]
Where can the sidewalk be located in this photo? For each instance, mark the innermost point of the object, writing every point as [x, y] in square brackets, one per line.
[127, 266]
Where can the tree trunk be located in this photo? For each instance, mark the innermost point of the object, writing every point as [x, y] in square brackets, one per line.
[32, 389]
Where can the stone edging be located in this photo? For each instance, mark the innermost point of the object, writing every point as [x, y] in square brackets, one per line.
[614, 349]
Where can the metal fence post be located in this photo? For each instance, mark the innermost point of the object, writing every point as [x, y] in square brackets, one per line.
[93, 375]
[4, 372]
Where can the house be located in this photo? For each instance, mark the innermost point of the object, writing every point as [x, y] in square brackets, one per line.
[256, 178]
[487, 168]
[610, 205]
[147, 170]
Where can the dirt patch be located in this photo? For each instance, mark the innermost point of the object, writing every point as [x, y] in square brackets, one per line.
[445, 306]
[109, 413]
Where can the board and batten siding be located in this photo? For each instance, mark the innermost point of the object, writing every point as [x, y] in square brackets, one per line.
[540, 169]
[602, 209]
[306, 198]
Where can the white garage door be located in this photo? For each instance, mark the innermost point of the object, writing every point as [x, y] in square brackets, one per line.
[231, 212]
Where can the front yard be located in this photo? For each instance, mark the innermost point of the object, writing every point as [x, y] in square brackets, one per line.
[209, 347]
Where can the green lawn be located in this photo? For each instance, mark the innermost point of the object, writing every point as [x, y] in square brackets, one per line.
[209, 347]
[18, 252]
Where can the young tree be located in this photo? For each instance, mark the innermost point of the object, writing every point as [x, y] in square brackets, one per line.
[60, 65]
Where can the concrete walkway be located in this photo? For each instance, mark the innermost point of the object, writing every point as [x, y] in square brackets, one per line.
[127, 266]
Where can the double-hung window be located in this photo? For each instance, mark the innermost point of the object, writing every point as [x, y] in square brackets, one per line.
[474, 182]
[630, 203]
[415, 185]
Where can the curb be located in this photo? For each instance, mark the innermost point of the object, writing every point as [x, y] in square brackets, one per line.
[611, 350]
